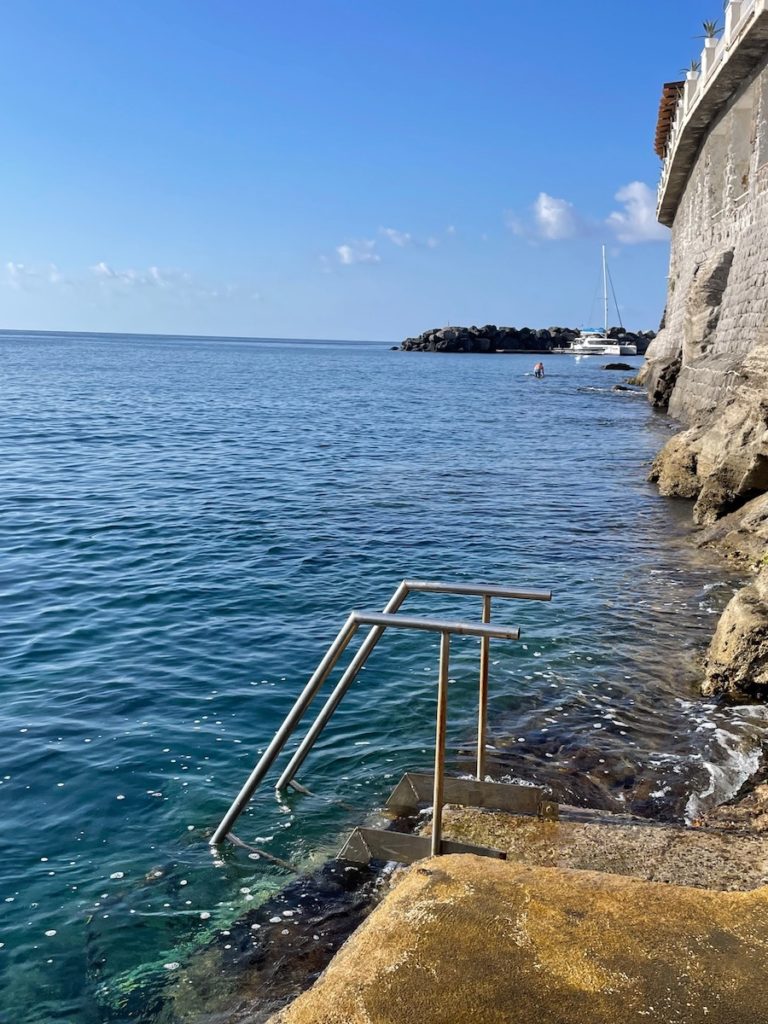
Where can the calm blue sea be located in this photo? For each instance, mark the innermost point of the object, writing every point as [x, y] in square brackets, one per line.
[184, 526]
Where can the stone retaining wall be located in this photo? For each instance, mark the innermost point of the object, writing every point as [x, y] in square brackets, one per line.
[717, 299]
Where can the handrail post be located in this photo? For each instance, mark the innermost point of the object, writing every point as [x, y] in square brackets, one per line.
[482, 713]
[440, 732]
[280, 738]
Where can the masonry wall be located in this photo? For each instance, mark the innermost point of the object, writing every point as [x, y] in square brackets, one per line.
[717, 300]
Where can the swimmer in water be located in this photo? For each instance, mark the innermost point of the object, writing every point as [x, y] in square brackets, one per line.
[538, 370]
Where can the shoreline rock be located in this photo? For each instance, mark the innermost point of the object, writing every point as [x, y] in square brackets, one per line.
[737, 659]
[491, 339]
[721, 463]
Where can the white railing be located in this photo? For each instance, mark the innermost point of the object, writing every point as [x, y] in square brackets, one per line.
[737, 15]
[711, 57]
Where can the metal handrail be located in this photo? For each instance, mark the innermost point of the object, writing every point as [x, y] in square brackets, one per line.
[407, 586]
[380, 621]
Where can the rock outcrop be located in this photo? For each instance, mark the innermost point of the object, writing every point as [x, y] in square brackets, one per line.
[742, 536]
[491, 339]
[722, 460]
[737, 659]
[721, 463]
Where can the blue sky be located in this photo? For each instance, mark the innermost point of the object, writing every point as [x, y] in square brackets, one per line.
[336, 168]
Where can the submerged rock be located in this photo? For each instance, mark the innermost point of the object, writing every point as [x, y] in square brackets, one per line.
[260, 961]
[616, 366]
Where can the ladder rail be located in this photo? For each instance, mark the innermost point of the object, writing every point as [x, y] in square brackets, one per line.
[486, 591]
[380, 622]
[290, 722]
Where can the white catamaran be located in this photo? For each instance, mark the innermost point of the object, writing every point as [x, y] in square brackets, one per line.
[591, 341]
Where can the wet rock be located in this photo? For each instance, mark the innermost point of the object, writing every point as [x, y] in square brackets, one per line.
[746, 813]
[741, 536]
[616, 366]
[675, 467]
[737, 659]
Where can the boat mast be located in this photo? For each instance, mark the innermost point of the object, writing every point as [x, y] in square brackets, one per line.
[605, 293]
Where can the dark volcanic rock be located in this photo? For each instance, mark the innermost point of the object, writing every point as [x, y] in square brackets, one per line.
[491, 338]
[617, 366]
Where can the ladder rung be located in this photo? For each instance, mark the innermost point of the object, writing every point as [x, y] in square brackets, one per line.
[415, 790]
[366, 844]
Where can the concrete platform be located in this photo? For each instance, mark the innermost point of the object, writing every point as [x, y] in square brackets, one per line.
[468, 940]
[658, 853]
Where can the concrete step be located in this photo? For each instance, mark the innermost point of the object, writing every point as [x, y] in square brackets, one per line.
[477, 941]
[641, 849]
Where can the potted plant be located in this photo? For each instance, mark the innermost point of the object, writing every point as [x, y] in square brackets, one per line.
[692, 72]
[711, 31]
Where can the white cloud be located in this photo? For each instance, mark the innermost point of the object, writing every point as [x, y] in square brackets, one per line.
[363, 251]
[105, 281]
[17, 274]
[556, 218]
[637, 221]
[21, 276]
[400, 238]
[152, 277]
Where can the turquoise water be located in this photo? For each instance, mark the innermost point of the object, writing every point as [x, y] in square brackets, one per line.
[184, 526]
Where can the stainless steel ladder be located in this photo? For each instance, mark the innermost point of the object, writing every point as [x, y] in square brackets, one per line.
[380, 621]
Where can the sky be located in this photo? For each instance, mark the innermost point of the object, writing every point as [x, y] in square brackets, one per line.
[352, 169]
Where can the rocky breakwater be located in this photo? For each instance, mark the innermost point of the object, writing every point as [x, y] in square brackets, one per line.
[493, 339]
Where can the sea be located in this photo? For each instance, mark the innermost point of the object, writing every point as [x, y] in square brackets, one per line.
[185, 524]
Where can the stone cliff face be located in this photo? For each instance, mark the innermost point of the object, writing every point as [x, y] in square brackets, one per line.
[708, 367]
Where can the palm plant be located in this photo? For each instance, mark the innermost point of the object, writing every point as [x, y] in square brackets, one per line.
[711, 30]
[694, 68]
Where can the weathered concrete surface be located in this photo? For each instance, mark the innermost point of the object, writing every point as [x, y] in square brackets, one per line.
[475, 941]
[657, 853]
[737, 659]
